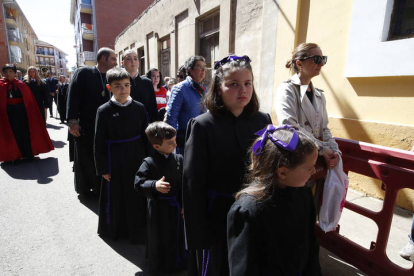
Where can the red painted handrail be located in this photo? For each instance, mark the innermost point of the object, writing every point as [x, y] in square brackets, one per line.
[395, 168]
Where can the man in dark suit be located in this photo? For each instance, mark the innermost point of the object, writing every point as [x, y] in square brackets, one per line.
[51, 84]
[62, 90]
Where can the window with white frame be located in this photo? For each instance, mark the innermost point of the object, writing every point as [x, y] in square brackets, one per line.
[16, 54]
[370, 53]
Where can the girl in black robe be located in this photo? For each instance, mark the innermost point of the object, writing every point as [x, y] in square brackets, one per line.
[215, 160]
[120, 146]
[39, 90]
[271, 226]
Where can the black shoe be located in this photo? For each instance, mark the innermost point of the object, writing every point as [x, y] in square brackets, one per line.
[16, 162]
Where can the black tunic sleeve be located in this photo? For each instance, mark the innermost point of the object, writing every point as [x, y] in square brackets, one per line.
[100, 147]
[243, 240]
[194, 187]
[152, 103]
[144, 137]
[44, 91]
[313, 265]
[73, 101]
[144, 182]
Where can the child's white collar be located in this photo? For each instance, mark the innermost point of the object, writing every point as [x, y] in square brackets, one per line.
[128, 102]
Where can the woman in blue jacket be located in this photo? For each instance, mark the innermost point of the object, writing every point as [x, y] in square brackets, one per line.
[186, 99]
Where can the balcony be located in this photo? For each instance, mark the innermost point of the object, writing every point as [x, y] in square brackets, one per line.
[89, 58]
[87, 31]
[13, 38]
[11, 22]
[85, 6]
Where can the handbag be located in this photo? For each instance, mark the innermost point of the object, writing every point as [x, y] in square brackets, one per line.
[333, 199]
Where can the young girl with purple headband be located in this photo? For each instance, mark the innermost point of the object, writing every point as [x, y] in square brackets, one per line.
[215, 160]
[271, 224]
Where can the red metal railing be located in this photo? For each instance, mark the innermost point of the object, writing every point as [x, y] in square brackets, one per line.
[395, 168]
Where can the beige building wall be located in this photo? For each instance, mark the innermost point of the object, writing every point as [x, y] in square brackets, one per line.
[20, 37]
[376, 110]
[246, 28]
[370, 107]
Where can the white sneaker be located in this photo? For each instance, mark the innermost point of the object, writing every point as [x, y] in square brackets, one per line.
[407, 251]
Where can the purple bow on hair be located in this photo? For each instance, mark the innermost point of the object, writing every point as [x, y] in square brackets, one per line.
[267, 133]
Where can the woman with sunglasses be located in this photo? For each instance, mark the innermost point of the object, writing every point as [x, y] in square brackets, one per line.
[215, 161]
[302, 105]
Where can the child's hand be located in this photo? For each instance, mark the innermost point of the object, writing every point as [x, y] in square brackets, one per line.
[161, 186]
[107, 177]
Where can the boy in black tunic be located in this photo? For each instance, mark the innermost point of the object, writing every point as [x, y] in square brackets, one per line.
[160, 179]
[119, 148]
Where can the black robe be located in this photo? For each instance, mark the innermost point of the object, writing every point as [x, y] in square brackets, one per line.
[87, 92]
[127, 208]
[276, 237]
[142, 91]
[61, 100]
[19, 124]
[215, 162]
[166, 249]
[41, 95]
[51, 84]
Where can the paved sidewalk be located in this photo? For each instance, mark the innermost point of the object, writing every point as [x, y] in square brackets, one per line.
[362, 231]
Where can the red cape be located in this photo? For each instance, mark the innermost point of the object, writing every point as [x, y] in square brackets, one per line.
[39, 137]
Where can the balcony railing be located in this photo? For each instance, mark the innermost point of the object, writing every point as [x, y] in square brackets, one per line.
[85, 6]
[89, 56]
[87, 31]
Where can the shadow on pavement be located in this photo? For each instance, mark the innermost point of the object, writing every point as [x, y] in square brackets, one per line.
[37, 169]
[58, 144]
[332, 265]
[134, 253]
[90, 201]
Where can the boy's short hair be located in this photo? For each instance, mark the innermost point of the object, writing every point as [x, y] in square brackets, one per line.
[158, 131]
[116, 74]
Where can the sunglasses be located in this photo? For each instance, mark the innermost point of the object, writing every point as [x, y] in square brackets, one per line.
[230, 59]
[317, 59]
[180, 76]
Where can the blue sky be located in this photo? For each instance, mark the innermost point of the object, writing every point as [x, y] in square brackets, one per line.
[50, 21]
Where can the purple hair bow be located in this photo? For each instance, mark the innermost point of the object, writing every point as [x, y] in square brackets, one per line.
[267, 133]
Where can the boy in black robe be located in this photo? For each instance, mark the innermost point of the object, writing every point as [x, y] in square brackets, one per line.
[160, 179]
[119, 148]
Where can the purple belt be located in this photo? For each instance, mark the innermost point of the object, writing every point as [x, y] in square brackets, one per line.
[212, 195]
[108, 183]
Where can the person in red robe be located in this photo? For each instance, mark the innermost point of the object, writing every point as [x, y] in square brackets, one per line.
[23, 133]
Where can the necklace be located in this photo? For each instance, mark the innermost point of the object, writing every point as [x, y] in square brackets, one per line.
[102, 81]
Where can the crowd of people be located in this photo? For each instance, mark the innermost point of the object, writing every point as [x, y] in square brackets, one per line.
[167, 159]
[197, 174]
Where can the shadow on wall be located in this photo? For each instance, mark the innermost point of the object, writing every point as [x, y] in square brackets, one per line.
[383, 86]
[353, 128]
